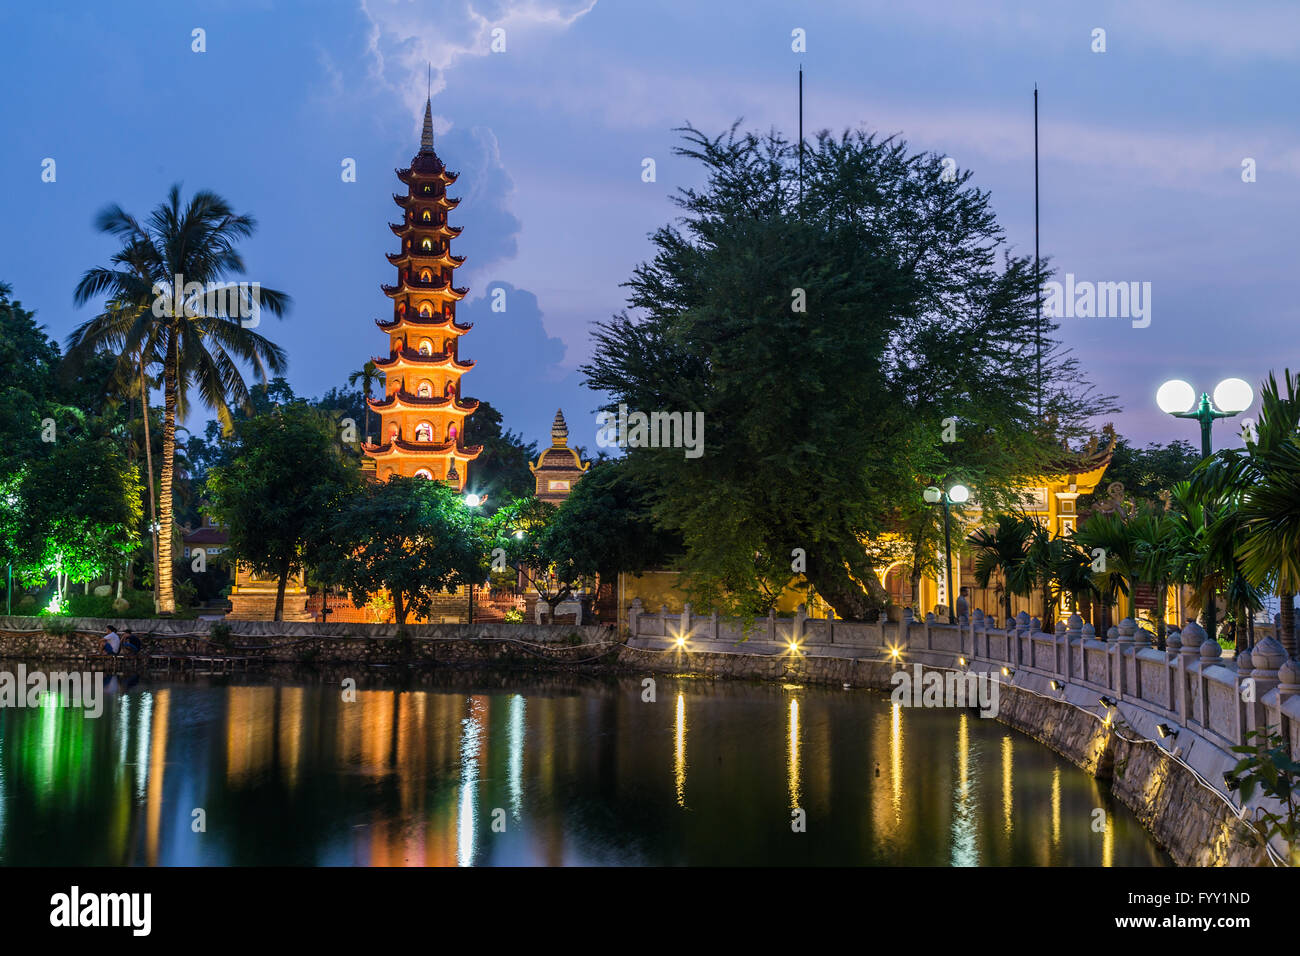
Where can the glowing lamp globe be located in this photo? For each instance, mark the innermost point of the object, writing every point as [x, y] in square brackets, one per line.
[932, 495]
[1233, 395]
[472, 500]
[1176, 396]
[959, 494]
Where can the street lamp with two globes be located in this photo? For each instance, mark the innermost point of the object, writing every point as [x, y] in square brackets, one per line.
[1232, 396]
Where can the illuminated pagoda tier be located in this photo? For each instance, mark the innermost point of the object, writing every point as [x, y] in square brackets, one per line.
[422, 415]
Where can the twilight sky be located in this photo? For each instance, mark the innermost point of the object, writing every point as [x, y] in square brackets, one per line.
[1141, 156]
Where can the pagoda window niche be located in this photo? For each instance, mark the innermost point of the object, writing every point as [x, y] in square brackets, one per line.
[427, 245]
[424, 432]
[426, 275]
[426, 347]
[451, 432]
[394, 433]
[423, 473]
[424, 390]
[450, 390]
[426, 217]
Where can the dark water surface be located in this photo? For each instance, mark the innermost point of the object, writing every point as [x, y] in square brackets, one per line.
[576, 771]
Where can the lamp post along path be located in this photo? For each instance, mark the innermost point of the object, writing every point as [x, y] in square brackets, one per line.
[1232, 396]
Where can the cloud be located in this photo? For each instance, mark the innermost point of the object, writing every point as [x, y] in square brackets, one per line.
[520, 367]
[407, 38]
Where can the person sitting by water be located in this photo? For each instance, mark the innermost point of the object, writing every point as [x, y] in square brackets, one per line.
[130, 641]
[112, 641]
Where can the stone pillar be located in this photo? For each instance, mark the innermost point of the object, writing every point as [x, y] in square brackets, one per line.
[1268, 656]
[771, 626]
[686, 625]
[800, 617]
[1192, 637]
[1074, 634]
[1288, 686]
[633, 616]
[977, 624]
[717, 634]
[1210, 653]
[1023, 627]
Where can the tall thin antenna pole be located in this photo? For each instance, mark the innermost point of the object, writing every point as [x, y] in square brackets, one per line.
[801, 134]
[1038, 283]
[428, 83]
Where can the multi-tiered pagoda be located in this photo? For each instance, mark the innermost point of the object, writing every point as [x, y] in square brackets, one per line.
[422, 416]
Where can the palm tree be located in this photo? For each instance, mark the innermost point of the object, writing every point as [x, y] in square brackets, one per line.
[196, 341]
[1109, 535]
[368, 375]
[1002, 549]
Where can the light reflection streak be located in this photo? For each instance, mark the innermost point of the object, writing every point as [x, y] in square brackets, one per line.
[1006, 781]
[679, 751]
[964, 849]
[157, 764]
[1108, 841]
[143, 723]
[470, 741]
[1056, 806]
[517, 708]
[793, 754]
[896, 760]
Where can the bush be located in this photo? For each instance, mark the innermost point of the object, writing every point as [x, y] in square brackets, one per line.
[139, 604]
[219, 634]
[514, 616]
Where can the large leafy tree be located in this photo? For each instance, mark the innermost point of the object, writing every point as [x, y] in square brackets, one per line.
[1146, 472]
[501, 472]
[411, 537]
[827, 343]
[284, 475]
[197, 344]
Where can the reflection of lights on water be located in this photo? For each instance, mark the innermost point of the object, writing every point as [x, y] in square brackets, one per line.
[1108, 842]
[793, 753]
[964, 851]
[1006, 780]
[470, 739]
[896, 759]
[517, 705]
[142, 725]
[679, 751]
[1056, 806]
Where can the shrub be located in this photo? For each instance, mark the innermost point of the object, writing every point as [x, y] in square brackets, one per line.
[219, 634]
[139, 604]
[514, 616]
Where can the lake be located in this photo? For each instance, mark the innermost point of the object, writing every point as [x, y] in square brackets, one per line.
[463, 769]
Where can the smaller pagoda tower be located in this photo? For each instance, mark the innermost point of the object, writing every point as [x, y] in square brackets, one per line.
[560, 467]
[422, 415]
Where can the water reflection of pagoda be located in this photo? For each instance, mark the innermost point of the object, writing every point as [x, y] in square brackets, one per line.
[422, 414]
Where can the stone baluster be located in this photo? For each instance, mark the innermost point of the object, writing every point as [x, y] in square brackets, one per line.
[977, 624]
[686, 624]
[634, 615]
[800, 620]
[1268, 656]
[1192, 637]
[771, 626]
[1210, 654]
[716, 625]
[1073, 634]
[1288, 677]
[1023, 627]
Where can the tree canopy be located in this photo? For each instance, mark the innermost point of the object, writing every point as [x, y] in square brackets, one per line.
[845, 350]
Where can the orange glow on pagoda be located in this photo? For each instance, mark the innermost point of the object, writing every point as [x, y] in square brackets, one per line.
[422, 415]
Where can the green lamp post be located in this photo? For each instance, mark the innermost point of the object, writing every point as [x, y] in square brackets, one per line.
[1232, 396]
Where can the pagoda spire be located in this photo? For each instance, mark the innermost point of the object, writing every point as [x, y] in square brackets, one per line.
[426, 135]
[559, 430]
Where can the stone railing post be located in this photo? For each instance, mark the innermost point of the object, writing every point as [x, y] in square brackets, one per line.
[1210, 654]
[1173, 649]
[663, 619]
[1268, 656]
[1023, 627]
[976, 625]
[1073, 635]
[800, 621]
[1288, 686]
[1059, 639]
[685, 625]
[634, 616]
[771, 625]
[1192, 636]
[717, 634]
[1244, 666]
[905, 627]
